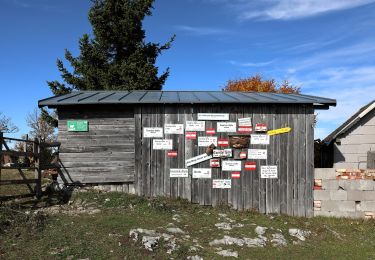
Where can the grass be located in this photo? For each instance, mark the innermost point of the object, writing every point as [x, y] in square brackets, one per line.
[10, 190]
[26, 235]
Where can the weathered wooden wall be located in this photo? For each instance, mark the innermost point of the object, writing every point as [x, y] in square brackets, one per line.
[290, 193]
[103, 154]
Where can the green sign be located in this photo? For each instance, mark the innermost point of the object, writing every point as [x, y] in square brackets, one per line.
[78, 126]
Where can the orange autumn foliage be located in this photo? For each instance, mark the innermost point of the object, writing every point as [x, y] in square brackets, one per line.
[257, 84]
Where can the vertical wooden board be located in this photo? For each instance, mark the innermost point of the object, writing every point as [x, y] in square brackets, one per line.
[194, 145]
[255, 189]
[309, 199]
[154, 154]
[290, 162]
[283, 155]
[276, 183]
[138, 149]
[146, 153]
[302, 162]
[201, 150]
[207, 186]
[188, 152]
[235, 194]
[167, 160]
[180, 146]
[160, 158]
[247, 176]
[174, 161]
[216, 172]
[270, 119]
[262, 182]
[296, 144]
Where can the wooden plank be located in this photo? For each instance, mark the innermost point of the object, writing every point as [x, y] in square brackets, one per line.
[174, 182]
[195, 152]
[301, 162]
[283, 149]
[309, 197]
[261, 118]
[146, 152]
[270, 120]
[11, 182]
[16, 139]
[188, 152]
[18, 154]
[167, 181]
[296, 143]
[247, 176]
[290, 163]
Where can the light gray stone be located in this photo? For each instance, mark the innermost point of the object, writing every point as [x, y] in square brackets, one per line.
[228, 253]
[299, 233]
[150, 242]
[278, 240]
[175, 230]
[195, 257]
[330, 184]
[260, 230]
[357, 195]
[322, 195]
[227, 240]
[259, 241]
[338, 195]
[339, 214]
[364, 185]
[339, 206]
[223, 225]
[367, 205]
[325, 173]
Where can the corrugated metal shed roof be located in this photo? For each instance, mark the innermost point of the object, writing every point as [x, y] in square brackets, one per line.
[180, 97]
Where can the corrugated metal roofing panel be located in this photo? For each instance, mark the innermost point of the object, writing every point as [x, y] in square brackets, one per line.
[176, 97]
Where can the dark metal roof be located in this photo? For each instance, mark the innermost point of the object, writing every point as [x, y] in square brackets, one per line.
[179, 97]
[348, 124]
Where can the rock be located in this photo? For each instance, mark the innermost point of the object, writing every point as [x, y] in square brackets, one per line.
[172, 246]
[175, 230]
[260, 230]
[227, 240]
[228, 253]
[195, 257]
[176, 217]
[134, 233]
[150, 242]
[299, 233]
[223, 225]
[222, 215]
[278, 240]
[255, 242]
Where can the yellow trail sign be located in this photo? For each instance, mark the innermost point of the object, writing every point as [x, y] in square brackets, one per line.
[279, 131]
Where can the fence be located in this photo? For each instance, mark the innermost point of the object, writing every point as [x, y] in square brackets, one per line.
[39, 164]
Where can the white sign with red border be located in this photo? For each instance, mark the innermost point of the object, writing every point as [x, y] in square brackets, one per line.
[260, 128]
[210, 131]
[260, 139]
[152, 132]
[243, 155]
[223, 142]
[236, 175]
[215, 163]
[191, 135]
[178, 173]
[172, 153]
[245, 129]
[197, 159]
[162, 144]
[177, 129]
[257, 153]
[195, 126]
[213, 116]
[268, 172]
[207, 140]
[202, 173]
[250, 166]
[222, 153]
[246, 121]
[231, 166]
[226, 127]
[222, 183]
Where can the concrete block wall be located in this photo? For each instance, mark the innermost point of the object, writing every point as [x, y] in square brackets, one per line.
[344, 193]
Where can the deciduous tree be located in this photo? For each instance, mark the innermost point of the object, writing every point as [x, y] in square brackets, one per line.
[6, 125]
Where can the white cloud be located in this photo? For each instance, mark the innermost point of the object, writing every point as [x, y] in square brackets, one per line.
[296, 9]
[201, 31]
[251, 64]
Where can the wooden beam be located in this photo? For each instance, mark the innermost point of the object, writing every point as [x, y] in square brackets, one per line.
[10, 182]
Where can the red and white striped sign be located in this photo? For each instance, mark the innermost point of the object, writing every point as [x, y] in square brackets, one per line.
[245, 129]
[243, 155]
[172, 154]
[236, 175]
[250, 166]
[215, 163]
[223, 142]
[260, 127]
[210, 131]
[191, 135]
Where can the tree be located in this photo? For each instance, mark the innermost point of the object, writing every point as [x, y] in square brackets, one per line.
[117, 57]
[6, 125]
[258, 84]
[39, 128]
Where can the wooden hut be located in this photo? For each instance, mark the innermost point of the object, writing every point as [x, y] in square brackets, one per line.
[209, 147]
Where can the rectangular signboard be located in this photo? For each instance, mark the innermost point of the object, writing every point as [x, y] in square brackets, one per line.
[195, 126]
[78, 126]
[174, 129]
[222, 153]
[226, 127]
[231, 165]
[191, 135]
[202, 173]
[179, 173]
[268, 171]
[236, 175]
[244, 121]
[257, 154]
[260, 139]
[162, 144]
[223, 142]
[222, 183]
[207, 140]
[197, 159]
[210, 131]
[172, 154]
[213, 116]
[152, 132]
[215, 163]
[246, 130]
[260, 128]
[250, 166]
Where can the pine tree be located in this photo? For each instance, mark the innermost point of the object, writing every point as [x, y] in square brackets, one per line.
[117, 57]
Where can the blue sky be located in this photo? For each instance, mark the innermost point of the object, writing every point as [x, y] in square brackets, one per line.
[326, 47]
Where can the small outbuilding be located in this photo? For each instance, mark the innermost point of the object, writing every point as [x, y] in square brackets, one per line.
[243, 149]
[352, 144]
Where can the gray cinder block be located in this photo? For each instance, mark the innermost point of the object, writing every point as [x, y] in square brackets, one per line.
[325, 173]
[357, 195]
[339, 214]
[367, 205]
[365, 185]
[338, 195]
[339, 206]
[330, 184]
[322, 195]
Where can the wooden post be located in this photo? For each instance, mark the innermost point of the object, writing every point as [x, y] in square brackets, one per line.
[37, 162]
